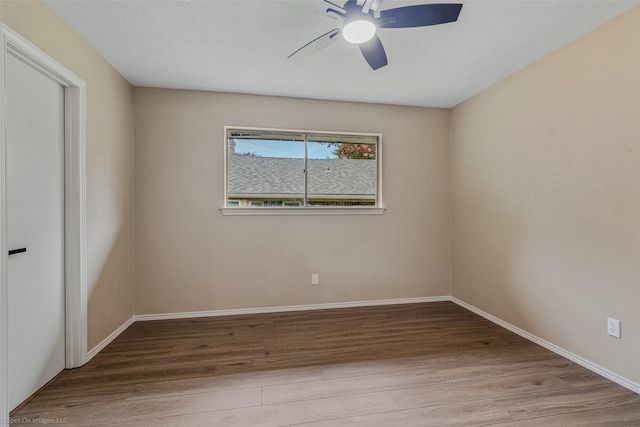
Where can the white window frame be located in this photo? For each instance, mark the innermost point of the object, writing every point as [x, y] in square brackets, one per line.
[305, 210]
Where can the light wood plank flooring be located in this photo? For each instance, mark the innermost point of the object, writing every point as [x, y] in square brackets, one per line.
[433, 364]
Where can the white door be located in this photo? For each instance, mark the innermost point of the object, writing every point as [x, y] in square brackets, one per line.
[35, 229]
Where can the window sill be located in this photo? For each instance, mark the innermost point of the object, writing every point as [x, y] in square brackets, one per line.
[301, 211]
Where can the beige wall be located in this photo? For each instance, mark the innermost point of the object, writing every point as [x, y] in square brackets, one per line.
[190, 258]
[546, 197]
[109, 162]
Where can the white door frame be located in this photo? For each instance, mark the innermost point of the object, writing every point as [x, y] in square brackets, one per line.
[74, 205]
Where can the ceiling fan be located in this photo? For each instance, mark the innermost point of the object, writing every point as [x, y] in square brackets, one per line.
[362, 18]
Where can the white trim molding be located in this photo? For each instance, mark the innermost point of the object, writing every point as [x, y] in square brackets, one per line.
[285, 308]
[105, 342]
[4, 291]
[631, 385]
[301, 211]
[75, 203]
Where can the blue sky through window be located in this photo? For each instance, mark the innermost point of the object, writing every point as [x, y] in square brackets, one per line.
[284, 149]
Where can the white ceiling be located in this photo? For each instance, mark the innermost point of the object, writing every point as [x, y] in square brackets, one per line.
[242, 46]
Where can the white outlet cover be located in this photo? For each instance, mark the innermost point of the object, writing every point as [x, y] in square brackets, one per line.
[613, 327]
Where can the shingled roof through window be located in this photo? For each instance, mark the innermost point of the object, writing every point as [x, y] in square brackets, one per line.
[255, 175]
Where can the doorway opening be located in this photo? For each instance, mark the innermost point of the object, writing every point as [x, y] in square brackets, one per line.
[75, 252]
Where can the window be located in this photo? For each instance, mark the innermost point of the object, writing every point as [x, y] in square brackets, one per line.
[269, 169]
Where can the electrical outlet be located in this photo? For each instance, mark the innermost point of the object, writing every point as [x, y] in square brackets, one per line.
[613, 327]
[314, 279]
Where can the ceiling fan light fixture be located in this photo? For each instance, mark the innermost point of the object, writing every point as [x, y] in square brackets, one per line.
[359, 31]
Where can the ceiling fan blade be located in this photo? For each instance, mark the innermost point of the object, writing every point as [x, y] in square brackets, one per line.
[420, 15]
[316, 45]
[319, 6]
[374, 53]
[334, 5]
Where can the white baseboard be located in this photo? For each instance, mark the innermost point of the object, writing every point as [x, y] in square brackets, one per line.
[105, 342]
[631, 385]
[285, 308]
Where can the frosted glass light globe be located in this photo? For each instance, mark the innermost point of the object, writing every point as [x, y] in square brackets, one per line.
[359, 31]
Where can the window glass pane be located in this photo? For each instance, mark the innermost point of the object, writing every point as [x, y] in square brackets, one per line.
[264, 169]
[342, 170]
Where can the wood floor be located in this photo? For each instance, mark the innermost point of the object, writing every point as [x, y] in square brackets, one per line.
[433, 364]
